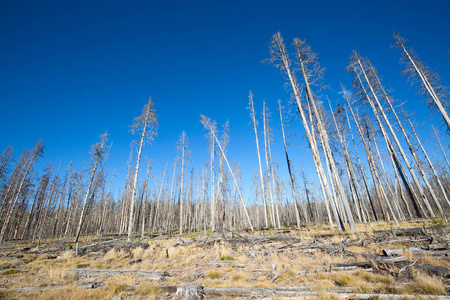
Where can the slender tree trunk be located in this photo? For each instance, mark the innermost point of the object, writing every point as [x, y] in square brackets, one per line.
[255, 124]
[207, 124]
[291, 179]
[36, 153]
[281, 59]
[98, 151]
[427, 84]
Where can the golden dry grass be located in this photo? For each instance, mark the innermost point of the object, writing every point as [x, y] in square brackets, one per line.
[426, 284]
[185, 260]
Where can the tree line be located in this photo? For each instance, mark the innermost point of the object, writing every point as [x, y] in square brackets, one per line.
[365, 173]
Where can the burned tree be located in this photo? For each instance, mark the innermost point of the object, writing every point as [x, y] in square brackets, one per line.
[430, 85]
[146, 125]
[97, 155]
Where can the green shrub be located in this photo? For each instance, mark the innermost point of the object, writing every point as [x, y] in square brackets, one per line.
[214, 274]
[226, 257]
[437, 222]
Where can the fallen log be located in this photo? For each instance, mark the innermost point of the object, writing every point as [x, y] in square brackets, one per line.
[415, 252]
[294, 292]
[190, 292]
[102, 243]
[270, 291]
[371, 262]
[152, 275]
[438, 247]
[392, 252]
[414, 231]
[225, 264]
[432, 270]
[420, 252]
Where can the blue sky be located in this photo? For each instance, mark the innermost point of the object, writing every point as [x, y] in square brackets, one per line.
[70, 70]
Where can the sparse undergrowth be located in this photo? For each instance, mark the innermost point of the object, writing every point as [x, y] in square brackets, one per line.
[273, 263]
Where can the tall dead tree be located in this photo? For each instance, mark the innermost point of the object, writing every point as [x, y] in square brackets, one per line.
[255, 125]
[429, 82]
[440, 145]
[269, 169]
[291, 176]
[144, 200]
[35, 154]
[430, 164]
[280, 59]
[359, 164]
[348, 163]
[209, 125]
[359, 69]
[376, 78]
[146, 124]
[182, 147]
[97, 152]
[4, 158]
[311, 72]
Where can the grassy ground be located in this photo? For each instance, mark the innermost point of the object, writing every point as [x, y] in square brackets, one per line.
[238, 265]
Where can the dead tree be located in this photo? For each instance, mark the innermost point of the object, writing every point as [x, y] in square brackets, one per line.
[144, 200]
[429, 81]
[440, 145]
[349, 165]
[208, 125]
[35, 154]
[291, 176]
[4, 158]
[255, 125]
[272, 196]
[430, 164]
[146, 125]
[376, 78]
[182, 146]
[171, 196]
[359, 70]
[97, 152]
[212, 150]
[280, 59]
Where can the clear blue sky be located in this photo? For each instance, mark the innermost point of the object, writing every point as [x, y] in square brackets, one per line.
[70, 70]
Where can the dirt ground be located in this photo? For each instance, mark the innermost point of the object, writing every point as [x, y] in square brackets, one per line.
[379, 262]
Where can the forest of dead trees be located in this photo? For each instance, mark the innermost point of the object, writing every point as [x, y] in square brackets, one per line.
[371, 164]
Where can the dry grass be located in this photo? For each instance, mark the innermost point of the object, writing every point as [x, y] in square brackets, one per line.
[185, 260]
[363, 282]
[426, 284]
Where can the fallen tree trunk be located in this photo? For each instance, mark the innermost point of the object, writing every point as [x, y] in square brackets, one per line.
[415, 251]
[152, 275]
[225, 264]
[430, 269]
[372, 262]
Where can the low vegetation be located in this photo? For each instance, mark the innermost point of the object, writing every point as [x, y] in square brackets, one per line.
[284, 259]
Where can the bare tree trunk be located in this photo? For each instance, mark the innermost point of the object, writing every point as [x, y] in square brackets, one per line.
[430, 164]
[255, 124]
[37, 152]
[148, 118]
[389, 144]
[268, 167]
[97, 154]
[305, 57]
[207, 123]
[433, 88]
[6, 156]
[410, 146]
[442, 149]
[281, 60]
[212, 173]
[291, 178]
[182, 144]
